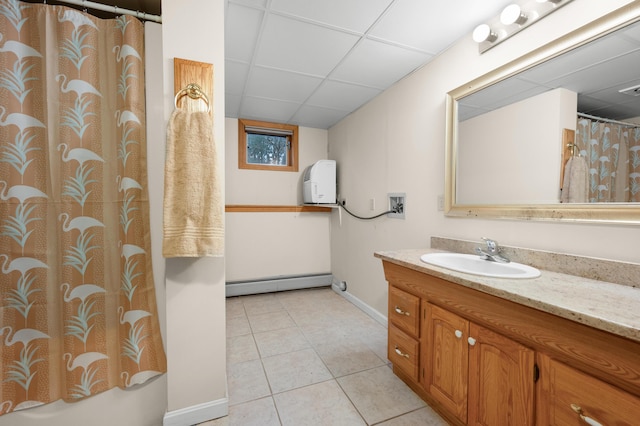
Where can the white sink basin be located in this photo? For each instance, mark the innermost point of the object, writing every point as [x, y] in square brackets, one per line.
[474, 264]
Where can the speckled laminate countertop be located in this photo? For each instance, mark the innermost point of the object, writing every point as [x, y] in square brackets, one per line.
[607, 306]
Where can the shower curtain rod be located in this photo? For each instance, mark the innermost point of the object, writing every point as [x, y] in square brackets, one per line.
[607, 120]
[114, 9]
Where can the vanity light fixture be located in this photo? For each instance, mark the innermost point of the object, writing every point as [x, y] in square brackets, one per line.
[632, 91]
[512, 14]
[513, 19]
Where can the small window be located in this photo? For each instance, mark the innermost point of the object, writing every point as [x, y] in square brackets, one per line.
[267, 146]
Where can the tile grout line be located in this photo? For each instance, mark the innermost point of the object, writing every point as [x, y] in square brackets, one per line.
[297, 311]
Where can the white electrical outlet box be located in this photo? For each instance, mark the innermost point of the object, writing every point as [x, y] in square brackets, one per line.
[398, 205]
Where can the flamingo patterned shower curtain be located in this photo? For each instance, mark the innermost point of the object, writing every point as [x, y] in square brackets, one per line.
[78, 309]
[612, 151]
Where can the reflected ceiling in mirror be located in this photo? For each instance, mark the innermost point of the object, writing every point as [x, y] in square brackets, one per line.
[583, 71]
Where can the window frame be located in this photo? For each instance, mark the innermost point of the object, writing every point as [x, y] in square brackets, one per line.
[265, 125]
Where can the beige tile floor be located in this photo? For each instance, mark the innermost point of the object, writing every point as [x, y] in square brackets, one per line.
[310, 357]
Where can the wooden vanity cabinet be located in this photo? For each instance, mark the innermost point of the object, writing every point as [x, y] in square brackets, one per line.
[481, 377]
[479, 359]
[570, 397]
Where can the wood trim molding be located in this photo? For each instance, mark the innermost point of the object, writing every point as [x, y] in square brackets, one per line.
[242, 145]
[201, 73]
[247, 208]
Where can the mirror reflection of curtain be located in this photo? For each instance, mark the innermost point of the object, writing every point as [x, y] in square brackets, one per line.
[78, 311]
[612, 153]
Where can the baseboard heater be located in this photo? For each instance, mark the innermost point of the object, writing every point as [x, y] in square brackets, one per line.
[269, 285]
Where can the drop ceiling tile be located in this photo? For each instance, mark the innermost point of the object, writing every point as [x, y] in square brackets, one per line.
[254, 3]
[612, 95]
[353, 15]
[342, 96]
[622, 111]
[240, 45]
[495, 94]
[235, 77]
[317, 117]
[267, 109]
[467, 112]
[517, 96]
[632, 32]
[579, 59]
[282, 85]
[363, 65]
[433, 26]
[299, 47]
[589, 80]
[469, 108]
[599, 108]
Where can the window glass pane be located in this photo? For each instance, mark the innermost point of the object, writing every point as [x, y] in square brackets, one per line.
[267, 149]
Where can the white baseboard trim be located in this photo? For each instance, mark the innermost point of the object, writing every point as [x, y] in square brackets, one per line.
[197, 413]
[268, 285]
[377, 316]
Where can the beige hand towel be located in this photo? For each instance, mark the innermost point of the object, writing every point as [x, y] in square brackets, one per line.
[193, 219]
[575, 187]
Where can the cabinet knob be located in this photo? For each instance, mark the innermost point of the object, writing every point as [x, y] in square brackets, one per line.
[401, 312]
[458, 334]
[399, 352]
[587, 420]
[471, 341]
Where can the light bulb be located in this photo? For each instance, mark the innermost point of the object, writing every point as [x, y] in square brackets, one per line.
[483, 33]
[512, 14]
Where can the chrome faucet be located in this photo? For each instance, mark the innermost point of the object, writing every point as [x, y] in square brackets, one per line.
[491, 251]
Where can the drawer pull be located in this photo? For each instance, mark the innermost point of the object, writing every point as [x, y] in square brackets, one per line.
[458, 334]
[471, 341]
[587, 420]
[401, 312]
[399, 352]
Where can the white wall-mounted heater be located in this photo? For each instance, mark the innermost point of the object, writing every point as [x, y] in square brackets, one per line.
[319, 183]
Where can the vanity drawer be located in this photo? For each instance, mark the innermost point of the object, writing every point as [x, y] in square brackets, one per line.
[403, 352]
[404, 310]
[572, 393]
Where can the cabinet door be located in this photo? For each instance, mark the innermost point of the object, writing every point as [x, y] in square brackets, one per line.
[501, 380]
[573, 398]
[446, 355]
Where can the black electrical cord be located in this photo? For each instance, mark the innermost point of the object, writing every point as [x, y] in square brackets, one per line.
[365, 218]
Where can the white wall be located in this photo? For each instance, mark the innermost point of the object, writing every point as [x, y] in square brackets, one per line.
[263, 187]
[193, 319]
[395, 143]
[196, 335]
[266, 245]
[512, 155]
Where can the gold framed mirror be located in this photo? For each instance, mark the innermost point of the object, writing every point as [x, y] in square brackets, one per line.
[542, 60]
